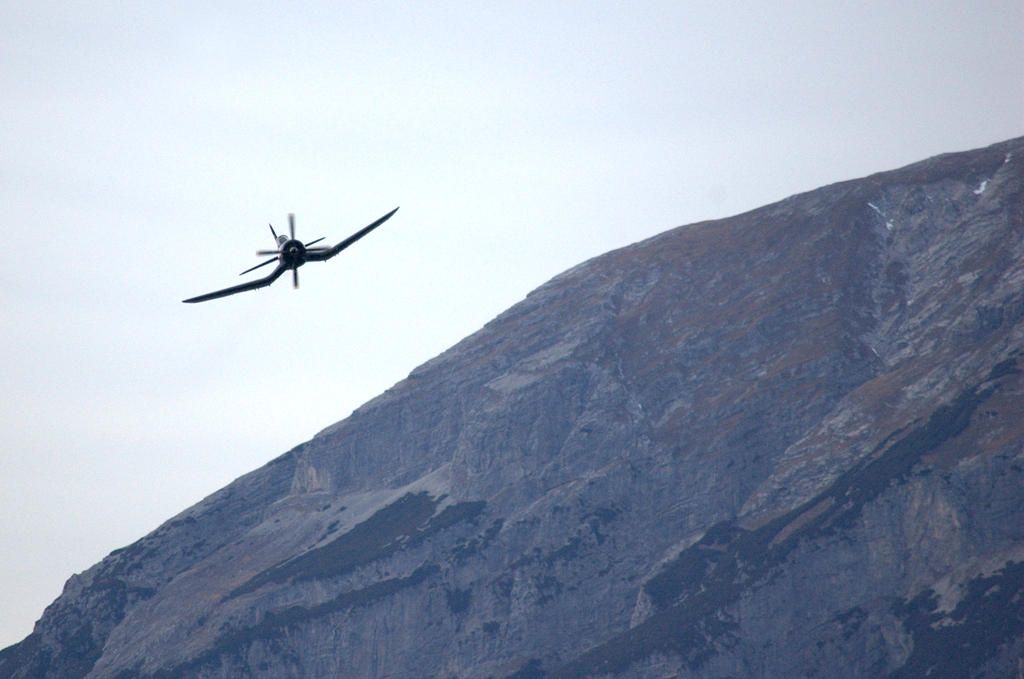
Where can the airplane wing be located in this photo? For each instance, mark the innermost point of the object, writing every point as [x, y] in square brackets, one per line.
[251, 285]
[327, 253]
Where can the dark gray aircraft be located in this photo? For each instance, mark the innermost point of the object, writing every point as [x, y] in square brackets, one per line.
[291, 254]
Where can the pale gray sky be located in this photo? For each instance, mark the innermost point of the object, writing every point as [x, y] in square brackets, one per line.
[145, 147]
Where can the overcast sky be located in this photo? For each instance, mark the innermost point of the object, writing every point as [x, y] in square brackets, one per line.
[144, 147]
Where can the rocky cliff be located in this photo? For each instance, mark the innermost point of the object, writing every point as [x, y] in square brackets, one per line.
[788, 443]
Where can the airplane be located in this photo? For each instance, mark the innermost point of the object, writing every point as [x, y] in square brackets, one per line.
[290, 254]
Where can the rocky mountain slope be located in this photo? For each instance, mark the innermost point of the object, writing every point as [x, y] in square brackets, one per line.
[788, 443]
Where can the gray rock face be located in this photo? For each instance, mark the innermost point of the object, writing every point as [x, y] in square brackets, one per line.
[788, 443]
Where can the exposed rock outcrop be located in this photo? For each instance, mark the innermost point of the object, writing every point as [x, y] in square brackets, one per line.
[787, 443]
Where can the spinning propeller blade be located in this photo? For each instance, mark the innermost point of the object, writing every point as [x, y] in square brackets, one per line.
[291, 225]
[269, 261]
[273, 232]
[315, 241]
[295, 277]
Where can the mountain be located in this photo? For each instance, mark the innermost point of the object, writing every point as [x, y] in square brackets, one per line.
[787, 443]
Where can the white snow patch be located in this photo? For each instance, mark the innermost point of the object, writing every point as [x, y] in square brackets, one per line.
[888, 222]
[981, 188]
[1007, 158]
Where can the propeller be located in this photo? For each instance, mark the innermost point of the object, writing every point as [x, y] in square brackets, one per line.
[306, 247]
[275, 254]
[269, 261]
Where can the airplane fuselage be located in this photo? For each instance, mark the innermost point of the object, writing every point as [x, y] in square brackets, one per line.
[292, 252]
